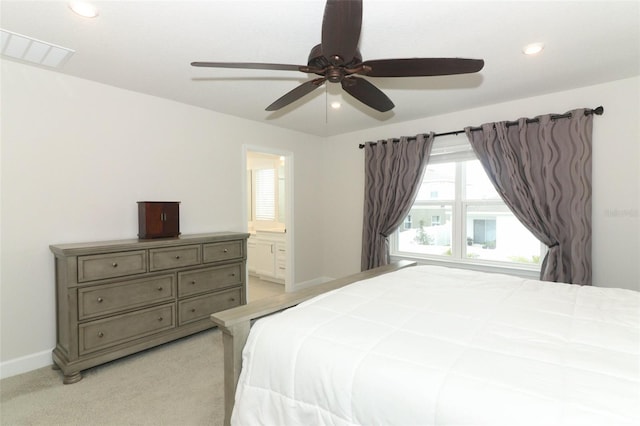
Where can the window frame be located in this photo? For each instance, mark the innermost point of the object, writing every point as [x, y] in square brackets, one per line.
[275, 185]
[458, 150]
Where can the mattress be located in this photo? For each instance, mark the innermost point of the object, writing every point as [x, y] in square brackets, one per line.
[430, 345]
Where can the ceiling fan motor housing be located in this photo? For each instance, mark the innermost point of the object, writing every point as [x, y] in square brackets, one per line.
[334, 73]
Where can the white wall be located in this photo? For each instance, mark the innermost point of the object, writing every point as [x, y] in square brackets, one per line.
[616, 175]
[77, 155]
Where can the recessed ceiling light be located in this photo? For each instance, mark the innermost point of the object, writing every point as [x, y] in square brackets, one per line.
[533, 48]
[335, 105]
[84, 9]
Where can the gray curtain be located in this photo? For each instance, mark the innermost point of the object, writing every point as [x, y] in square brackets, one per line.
[393, 174]
[542, 170]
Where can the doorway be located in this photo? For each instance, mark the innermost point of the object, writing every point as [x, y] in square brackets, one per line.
[268, 195]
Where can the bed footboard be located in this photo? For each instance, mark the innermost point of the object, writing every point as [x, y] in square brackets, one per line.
[235, 323]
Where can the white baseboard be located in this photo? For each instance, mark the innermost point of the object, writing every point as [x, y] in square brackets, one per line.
[24, 364]
[311, 283]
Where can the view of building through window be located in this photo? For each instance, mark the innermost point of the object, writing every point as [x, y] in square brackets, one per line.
[459, 215]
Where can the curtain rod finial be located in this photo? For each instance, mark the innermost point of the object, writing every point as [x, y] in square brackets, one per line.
[599, 110]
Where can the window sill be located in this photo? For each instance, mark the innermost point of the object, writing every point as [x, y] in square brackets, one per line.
[523, 271]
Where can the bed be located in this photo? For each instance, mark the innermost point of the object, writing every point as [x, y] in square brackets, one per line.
[428, 345]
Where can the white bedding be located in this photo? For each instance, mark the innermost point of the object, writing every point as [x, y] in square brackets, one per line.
[429, 345]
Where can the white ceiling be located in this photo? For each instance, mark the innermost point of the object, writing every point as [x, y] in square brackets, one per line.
[147, 46]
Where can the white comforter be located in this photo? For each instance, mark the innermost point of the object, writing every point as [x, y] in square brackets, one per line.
[437, 346]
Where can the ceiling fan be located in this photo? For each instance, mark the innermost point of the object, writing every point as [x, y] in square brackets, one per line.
[337, 60]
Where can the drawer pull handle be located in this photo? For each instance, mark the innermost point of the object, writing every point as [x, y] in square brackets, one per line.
[233, 299]
[160, 319]
[225, 251]
[177, 256]
[100, 334]
[193, 282]
[160, 288]
[233, 274]
[99, 299]
[114, 264]
[193, 309]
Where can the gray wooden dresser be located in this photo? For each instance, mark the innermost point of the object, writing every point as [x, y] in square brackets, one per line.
[115, 298]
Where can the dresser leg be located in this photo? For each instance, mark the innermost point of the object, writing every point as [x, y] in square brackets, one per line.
[72, 378]
[54, 366]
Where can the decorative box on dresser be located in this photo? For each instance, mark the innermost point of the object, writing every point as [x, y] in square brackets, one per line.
[115, 298]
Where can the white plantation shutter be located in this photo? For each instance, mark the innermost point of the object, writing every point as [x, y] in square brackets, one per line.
[265, 194]
[447, 149]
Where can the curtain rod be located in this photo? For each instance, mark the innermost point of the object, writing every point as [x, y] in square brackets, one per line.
[597, 111]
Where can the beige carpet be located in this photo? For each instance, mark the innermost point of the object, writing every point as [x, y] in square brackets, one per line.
[180, 383]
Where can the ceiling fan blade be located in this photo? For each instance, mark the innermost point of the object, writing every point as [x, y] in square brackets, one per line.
[341, 30]
[297, 93]
[367, 93]
[248, 65]
[421, 67]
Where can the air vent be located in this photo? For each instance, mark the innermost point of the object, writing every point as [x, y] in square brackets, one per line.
[17, 46]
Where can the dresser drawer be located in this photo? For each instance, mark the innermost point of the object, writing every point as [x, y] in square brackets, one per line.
[226, 250]
[112, 298]
[202, 280]
[174, 257]
[201, 307]
[101, 334]
[110, 265]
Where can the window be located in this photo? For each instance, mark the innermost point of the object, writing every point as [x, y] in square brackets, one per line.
[407, 222]
[265, 194]
[265, 191]
[458, 215]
